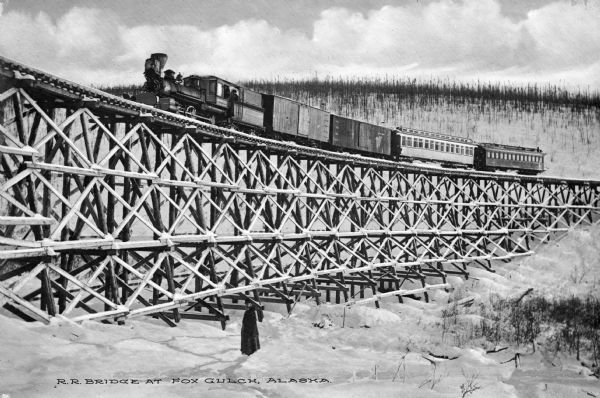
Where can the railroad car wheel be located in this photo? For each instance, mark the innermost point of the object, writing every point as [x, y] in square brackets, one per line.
[190, 111]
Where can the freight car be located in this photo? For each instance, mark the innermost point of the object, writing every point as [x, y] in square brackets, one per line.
[313, 126]
[218, 101]
[304, 123]
[357, 136]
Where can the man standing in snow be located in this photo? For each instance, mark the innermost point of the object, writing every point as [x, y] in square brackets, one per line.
[250, 343]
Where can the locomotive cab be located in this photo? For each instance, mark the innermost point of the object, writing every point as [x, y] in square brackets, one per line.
[247, 109]
[217, 90]
[199, 86]
[193, 81]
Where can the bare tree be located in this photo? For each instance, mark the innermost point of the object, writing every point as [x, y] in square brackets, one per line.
[470, 385]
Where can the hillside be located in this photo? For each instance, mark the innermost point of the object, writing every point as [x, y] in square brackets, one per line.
[563, 123]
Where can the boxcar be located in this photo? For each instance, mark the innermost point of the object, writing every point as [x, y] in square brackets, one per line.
[313, 123]
[508, 157]
[374, 139]
[360, 136]
[250, 97]
[344, 132]
[281, 114]
[443, 148]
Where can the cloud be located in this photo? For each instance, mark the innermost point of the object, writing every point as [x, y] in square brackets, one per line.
[467, 39]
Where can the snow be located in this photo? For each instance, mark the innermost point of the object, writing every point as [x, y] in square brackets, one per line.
[318, 351]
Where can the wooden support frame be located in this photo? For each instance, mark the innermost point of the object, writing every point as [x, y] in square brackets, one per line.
[109, 216]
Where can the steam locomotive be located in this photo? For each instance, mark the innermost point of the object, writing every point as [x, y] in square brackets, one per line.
[217, 101]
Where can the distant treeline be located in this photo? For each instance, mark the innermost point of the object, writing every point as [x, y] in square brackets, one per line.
[406, 88]
[120, 89]
[414, 89]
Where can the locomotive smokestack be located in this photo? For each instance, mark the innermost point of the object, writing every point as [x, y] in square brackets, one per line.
[162, 59]
[153, 70]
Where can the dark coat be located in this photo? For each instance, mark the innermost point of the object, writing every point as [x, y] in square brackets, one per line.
[250, 343]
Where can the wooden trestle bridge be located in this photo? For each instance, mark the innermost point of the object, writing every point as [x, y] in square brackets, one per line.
[110, 209]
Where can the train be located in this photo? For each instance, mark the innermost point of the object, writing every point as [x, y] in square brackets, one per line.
[223, 103]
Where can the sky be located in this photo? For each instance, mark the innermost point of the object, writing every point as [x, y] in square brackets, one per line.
[106, 42]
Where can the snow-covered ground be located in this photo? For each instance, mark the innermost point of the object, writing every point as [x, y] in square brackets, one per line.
[326, 351]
